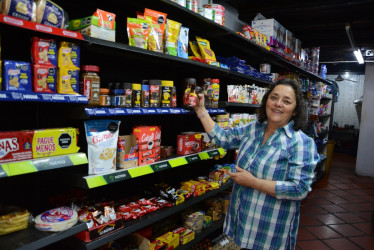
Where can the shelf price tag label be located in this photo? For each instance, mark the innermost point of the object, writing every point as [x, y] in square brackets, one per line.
[52, 163]
[161, 166]
[2, 172]
[139, 171]
[213, 153]
[96, 181]
[18, 168]
[178, 162]
[151, 111]
[175, 111]
[193, 158]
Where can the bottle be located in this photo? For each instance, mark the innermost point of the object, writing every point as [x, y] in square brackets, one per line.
[207, 90]
[174, 97]
[166, 87]
[136, 94]
[90, 83]
[145, 96]
[215, 93]
[154, 89]
[127, 87]
[189, 84]
[117, 97]
[104, 97]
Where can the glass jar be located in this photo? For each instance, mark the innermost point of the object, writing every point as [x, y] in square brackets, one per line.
[145, 96]
[127, 87]
[104, 97]
[136, 94]
[117, 97]
[189, 84]
[154, 95]
[166, 88]
[89, 84]
[215, 93]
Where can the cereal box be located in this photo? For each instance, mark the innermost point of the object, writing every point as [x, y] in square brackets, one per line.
[44, 78]
[50, 142]
[68, 80]
[68, 55]
[17, 76]
[44, 51]
[15, 146]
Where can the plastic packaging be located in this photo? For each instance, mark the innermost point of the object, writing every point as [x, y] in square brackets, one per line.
[166, 88]
[215, 93]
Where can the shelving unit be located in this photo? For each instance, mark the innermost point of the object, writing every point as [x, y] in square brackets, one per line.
[119, 62]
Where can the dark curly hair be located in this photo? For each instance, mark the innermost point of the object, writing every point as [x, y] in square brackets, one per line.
[300, 119]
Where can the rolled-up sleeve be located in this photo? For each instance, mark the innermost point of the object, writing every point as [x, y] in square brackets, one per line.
[301, 165]
[228, 138]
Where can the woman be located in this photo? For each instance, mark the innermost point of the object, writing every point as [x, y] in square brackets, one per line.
[274, 169]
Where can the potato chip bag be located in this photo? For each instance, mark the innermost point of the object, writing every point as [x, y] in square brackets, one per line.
[206, 52]
[102, 138]
[171, 37]
[138, 32]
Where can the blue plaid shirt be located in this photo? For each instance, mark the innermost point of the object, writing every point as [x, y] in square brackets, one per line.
[254, 219]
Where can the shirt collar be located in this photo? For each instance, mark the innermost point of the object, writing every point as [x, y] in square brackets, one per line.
[288, 129]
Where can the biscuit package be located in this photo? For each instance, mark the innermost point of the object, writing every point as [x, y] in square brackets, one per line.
[183, 42]
[44, 51]
[68, 80]
[22, 9]
[17, 76]
[102, 138]
[68, 55]
[155, 42]
[49, 13]
[44, 78]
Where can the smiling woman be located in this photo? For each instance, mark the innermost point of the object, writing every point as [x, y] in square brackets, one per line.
[275, 168]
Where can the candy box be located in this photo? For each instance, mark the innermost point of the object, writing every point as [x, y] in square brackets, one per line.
[44, 78]
[185, 235]
[101, 230]
[171, 239]
[147, 135]
[17, 76]
[188, 143]
[149, 156]
[15, 146]
[50, 142]
[127, 152]
[44, 51]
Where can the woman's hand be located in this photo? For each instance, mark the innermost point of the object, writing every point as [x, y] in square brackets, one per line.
[243, 177]
[200, 108]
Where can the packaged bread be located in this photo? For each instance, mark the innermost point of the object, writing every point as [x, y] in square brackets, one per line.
[23, 9]
[55, 220]
[49, 13]
[12, 219]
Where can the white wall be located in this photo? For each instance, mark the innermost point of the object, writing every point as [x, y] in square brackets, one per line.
[344, 110]
[365, 156]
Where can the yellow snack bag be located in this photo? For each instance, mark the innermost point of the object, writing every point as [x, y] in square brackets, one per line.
[206, 52]
[68, 55]
[195, 49]
[171, 37]
[68, 80]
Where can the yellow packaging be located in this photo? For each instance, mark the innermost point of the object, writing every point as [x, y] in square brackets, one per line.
[51, 142]
[171, 239]
[195, 49]
[68, 80]
[68, 55]
[206, 52]
[171, 37]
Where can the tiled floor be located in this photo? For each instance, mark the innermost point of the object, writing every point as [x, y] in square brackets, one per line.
[337, 213]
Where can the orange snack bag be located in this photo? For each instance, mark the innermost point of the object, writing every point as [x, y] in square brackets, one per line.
[157, 17]
[106, 19]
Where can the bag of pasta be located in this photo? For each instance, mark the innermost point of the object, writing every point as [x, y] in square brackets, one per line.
[102, 138]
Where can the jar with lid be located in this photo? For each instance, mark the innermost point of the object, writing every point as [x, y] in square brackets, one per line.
[136, 94]
[154, 95]
[166, 88]
[215, 93]
[104, 97]
[145, 96]
[192, 97]
[207, 89]
[127, 87]
[189, 85]
[174, 97]
[117, 97]
[89, 84]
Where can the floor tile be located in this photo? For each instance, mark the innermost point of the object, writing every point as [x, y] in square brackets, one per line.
[354, 207]
[317, 201]
[364, 242]
[340, 192]
[328, 219]
[367, 228]
[308, 210]
[357, 192]
[365, 215]
[304, 234]
[306, 220]
[336, 199]
[323, 232]
[341, 243]
[353, 199]
[333, 208]
[347, 230]
[349, 217]
[368, 197]
[312, 245]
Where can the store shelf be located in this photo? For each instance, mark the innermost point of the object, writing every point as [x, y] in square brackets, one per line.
[247, 105]
[41, 164]
[39, 27]
[32, 238]
[93, 181]
[14, 96]
[149, 219]
[144, 111]
[205, 233]
[326, 98]
[324, 116]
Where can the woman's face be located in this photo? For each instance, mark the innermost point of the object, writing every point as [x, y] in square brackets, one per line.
[280, 105]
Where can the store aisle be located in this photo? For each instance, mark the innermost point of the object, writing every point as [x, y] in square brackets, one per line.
[337, 213]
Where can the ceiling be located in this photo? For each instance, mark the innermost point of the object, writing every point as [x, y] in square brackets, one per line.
[321, 23]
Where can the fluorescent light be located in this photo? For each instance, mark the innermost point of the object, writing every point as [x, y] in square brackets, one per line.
[358, 55]
[346, 74]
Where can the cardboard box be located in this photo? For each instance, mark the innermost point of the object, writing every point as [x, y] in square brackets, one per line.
[127, 152]
[171, 239]
[188, 143]
[15, 146]
[90, 26]
[149, 156]
[101, 230]
[149, 142]
[185, 235]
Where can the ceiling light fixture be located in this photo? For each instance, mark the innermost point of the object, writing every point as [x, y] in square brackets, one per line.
[356, 51]
[346, 74]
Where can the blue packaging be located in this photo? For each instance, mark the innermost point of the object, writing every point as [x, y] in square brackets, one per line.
[17, 76]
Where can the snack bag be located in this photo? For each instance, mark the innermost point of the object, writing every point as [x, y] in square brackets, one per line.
[68, 80]
[49, 13]
[44, 51]
[195, 49]
[183, 43]
[68, 55]
[102, 138]
[156, 17]
[44, 78]
[106, 19]
[206, 52]
[155, 38]
[171, 37]
[138, 32]
[23, 9]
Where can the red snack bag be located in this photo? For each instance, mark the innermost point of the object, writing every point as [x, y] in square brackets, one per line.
[133, 205]
[139, 212]
[16, 145]
[163, 203]
[144, 202]
[44, 78]
[44, 51]
[150, 208]
[126, 216]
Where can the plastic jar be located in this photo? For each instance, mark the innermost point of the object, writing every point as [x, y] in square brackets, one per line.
[104, 97]
[117, 97]
[127, 87]
[215, 93]
[145, 96]
[136, 94]
[166, 88]
[154, 95]
[189, 84]
[89, 84]
[174, 97]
